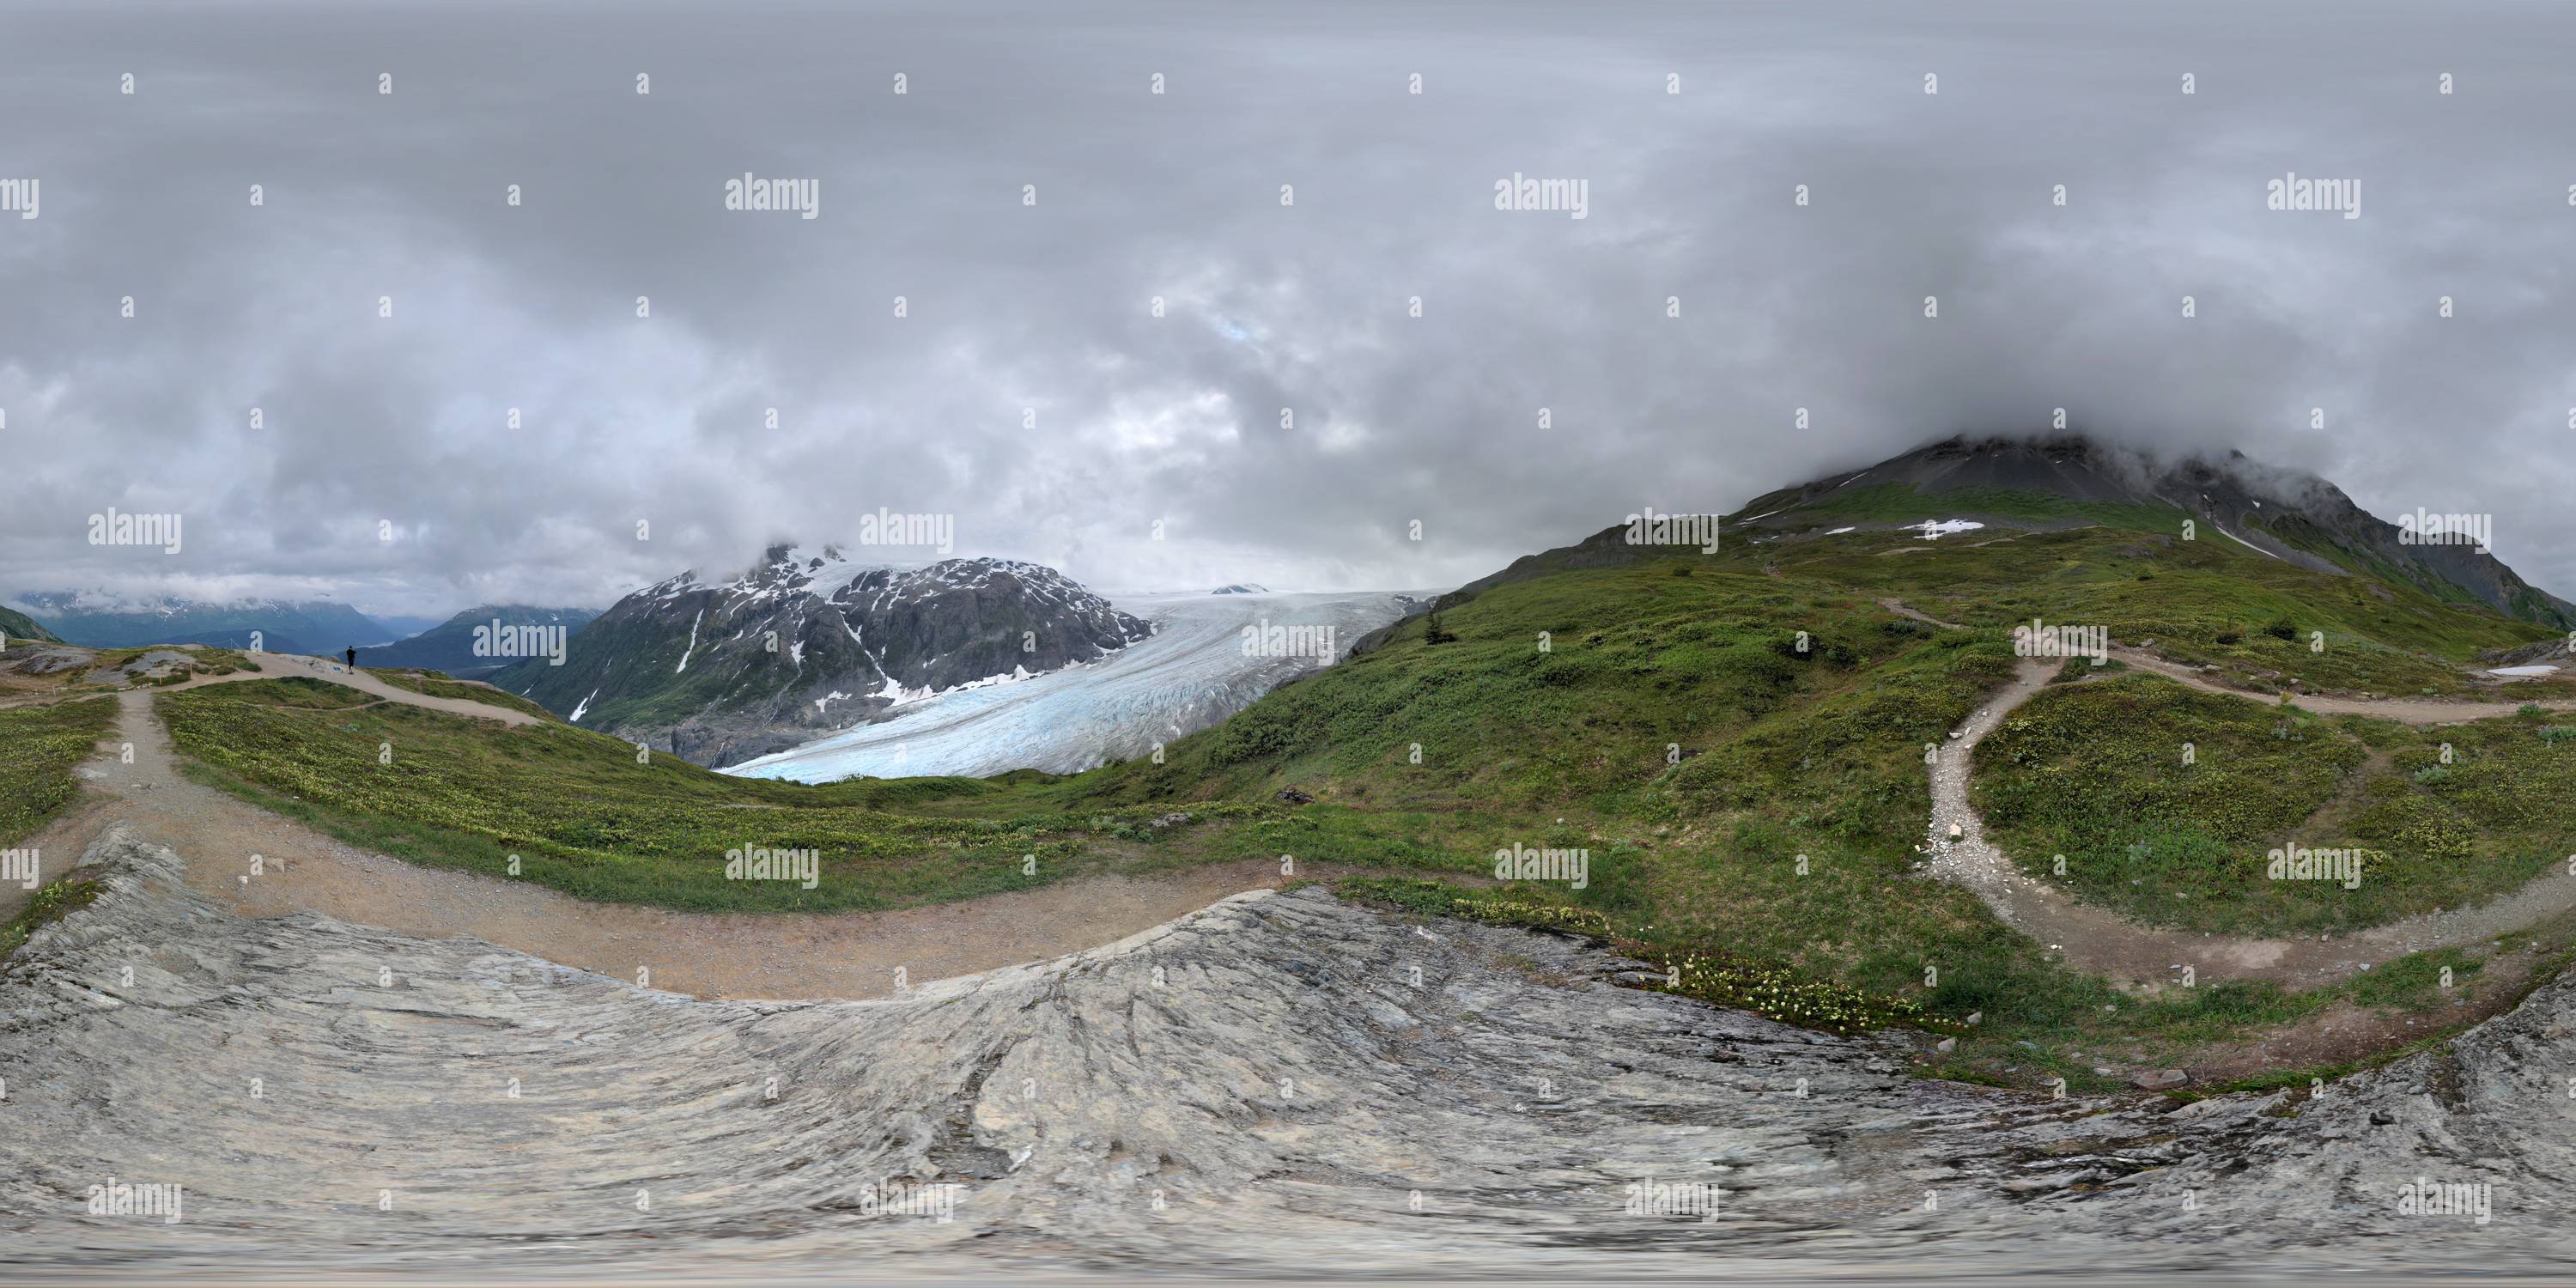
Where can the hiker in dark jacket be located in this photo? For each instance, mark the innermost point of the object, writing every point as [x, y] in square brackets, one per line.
[353, 658]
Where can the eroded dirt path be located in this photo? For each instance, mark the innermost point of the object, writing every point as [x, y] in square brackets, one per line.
[2098, 940]
[278, 666]
[2420, 712]
[713, 955]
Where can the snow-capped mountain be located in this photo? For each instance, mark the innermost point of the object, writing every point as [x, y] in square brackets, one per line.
[1194, 672]
[810, 641]
[1241, 588]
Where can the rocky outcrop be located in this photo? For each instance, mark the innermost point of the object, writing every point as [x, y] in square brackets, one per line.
[1278, 1080]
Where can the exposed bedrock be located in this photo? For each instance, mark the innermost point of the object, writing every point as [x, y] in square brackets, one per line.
[1255, 1085]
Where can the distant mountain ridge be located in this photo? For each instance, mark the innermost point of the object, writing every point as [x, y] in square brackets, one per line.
[809, 641]
[96, 620]
[479, 640]
[2068, 481]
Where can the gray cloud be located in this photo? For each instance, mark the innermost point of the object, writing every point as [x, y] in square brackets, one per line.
[1043, 310]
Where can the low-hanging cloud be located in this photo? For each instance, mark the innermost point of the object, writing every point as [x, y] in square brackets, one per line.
[1287, 415]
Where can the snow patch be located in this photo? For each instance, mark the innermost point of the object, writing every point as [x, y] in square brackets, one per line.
[583, 705]
[2242, 541]
[693, 640]
[1935, 529]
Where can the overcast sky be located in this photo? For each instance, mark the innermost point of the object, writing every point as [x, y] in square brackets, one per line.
[1021, 313]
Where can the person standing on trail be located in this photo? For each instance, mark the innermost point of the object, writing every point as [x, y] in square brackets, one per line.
[353, 657]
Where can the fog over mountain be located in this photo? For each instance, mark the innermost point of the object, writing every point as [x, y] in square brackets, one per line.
[1031, 391]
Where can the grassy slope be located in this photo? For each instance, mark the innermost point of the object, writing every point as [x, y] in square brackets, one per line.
[439, 684]
[17, 626]
[586, 818]
[39, 748]
[1785, 832]
[2095, 772]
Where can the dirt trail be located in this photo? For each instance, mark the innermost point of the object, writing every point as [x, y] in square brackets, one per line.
[2098, 940]
[2414, 711]
[714, 955]
[274, 666]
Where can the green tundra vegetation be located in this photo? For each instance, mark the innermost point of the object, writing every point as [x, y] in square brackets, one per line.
[439, 684]
[39, 748]
[2188, 844]
[1735, 739]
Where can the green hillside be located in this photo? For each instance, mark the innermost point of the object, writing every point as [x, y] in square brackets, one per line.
[18, 626]
[39, 748]
[1747, 805]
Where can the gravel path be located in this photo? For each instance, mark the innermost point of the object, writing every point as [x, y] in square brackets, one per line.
[2098, 940]
[837, 955]
[273, 666]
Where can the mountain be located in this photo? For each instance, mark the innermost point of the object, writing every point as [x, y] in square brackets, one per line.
[18, 626]
[403, 628]
[809, 642]
[1241, 588]
[97, 620]
[2046, 484]
[1193, 673]
[480, 640]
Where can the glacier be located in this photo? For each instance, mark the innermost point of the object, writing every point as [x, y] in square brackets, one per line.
[1191, 673]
